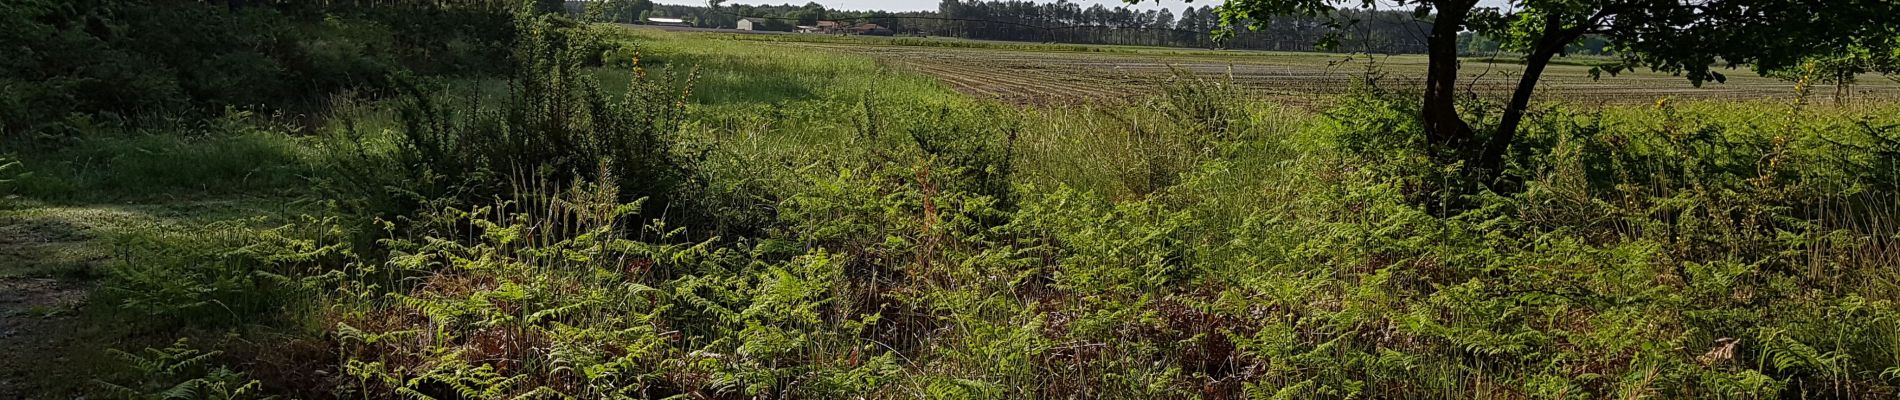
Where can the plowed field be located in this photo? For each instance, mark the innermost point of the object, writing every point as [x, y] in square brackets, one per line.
[1034, 77]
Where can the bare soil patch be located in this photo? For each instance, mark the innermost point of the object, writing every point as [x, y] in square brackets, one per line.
[1035, 77]
[41, 338]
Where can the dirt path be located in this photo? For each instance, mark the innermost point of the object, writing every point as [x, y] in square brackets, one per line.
[40, 336]
[41, 260]
[50, 256]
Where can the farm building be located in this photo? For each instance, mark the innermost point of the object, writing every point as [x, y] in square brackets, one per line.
[838, 28]
[667, 22]
[826, 27]
[871, 29]
[750, 24]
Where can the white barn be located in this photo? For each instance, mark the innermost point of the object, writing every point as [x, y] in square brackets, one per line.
[748, 24]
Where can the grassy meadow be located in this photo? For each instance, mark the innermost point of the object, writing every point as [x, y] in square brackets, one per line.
[634, 213]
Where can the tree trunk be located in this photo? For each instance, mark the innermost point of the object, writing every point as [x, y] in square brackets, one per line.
[1491, 163]
[1444, 129]
[1493, 160]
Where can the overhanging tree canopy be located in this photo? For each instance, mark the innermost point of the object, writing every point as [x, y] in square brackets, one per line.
[1692, 38]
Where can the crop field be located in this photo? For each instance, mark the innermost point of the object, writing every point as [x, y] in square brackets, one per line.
[1031, 76]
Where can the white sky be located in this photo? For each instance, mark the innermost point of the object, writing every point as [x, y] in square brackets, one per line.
[931, 5]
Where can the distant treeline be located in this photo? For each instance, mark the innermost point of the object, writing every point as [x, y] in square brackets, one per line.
[1478, 45]
[1065, 22]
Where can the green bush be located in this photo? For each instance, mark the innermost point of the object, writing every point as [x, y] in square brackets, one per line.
[554, 125]
[140, 58]
[220, 274]
[585, 308]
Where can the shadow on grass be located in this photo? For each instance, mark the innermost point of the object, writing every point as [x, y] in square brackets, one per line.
[146, 167]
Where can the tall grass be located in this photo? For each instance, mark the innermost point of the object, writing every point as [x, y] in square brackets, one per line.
[229, 155]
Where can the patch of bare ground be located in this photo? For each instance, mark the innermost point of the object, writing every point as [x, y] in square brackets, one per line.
[41, 335]
[42, 339]
[49, 254]
[44, 246]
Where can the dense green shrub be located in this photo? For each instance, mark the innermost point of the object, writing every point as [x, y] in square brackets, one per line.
[977, 156]
[136, 58]
[220, 274]
[591, 308]
[554, 123]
